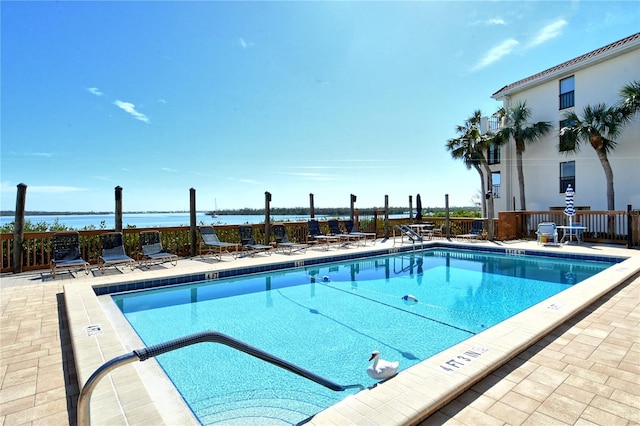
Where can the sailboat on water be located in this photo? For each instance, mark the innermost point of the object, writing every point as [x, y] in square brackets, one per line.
[213, 213]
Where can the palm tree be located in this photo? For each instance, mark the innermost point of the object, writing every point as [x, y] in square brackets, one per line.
[515, 126]
[630, 95]
[470, 146]
[598, 125]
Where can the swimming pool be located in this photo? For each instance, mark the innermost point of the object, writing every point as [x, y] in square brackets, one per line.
[334, 323]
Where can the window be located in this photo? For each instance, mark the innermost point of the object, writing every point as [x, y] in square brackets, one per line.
[567, 175]
[493, 154]
[495, 182]
[567, 86]
[566, 144]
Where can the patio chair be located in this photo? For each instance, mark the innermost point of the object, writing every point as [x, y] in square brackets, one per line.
[547, 233]
[66, 253]
[364, 236]
[113, 253]
[210, 244]
[316, 235]
[476, 233]
[438, 232]
[283, 243]
[335, 231]
[152, 250]
[248, 242]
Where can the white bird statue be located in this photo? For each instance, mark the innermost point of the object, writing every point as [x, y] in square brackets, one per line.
[381, 369]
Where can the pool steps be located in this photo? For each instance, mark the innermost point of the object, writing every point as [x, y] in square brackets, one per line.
[84, 399]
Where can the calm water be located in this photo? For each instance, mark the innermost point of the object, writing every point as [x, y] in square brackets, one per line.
[150, 220]
[328, 319]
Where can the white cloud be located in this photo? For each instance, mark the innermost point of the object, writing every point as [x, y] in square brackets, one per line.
[313, 176]
[7, 187]
[250, 181]
[496, 21]
[39, 154]
[496, 53]
[244, 44]
[103, 178]
[53, 189]
[29, 154]
[491, 21]
[162, 101]
[167, 169]
[131, 109]
[552, 30]
[94, 91]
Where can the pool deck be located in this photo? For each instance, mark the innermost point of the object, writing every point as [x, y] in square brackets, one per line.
[573, 359]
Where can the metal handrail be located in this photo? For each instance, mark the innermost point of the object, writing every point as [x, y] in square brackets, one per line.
[84, 412]
[413, 236]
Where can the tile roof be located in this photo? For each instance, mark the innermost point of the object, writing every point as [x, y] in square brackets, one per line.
[570, 63]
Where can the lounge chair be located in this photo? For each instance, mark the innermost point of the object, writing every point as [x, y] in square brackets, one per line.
[152, 250]
[476, 233]
[66, 253]
[335, 231]
[113, 253]
[248, 242]
[547, 233]
[364, 236]
[316, 235]
[283, 243]
[438, 232]
[210, 244]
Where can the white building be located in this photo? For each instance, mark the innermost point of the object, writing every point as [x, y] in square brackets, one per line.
[589, 79]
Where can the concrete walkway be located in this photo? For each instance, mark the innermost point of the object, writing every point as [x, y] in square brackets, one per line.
[39, 385]
[586, 372]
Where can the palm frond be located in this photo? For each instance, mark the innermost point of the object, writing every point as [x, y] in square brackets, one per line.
[630, 95]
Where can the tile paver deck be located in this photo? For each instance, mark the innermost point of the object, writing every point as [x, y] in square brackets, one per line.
[569, 377]
[587, 371]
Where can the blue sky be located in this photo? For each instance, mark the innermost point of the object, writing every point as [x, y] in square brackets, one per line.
[238, 98]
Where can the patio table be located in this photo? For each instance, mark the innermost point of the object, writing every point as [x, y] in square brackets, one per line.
[568, 232]
[423, 229]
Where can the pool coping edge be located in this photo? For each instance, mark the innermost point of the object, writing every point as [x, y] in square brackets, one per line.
[417, 399]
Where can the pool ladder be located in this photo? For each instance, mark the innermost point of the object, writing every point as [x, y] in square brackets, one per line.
[84, 412]
[412, 235]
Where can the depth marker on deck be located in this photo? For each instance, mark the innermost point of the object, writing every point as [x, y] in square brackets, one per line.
[463, 359]
[93, 330]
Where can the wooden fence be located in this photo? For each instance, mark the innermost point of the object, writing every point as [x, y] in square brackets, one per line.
[609, 227]
[602, 227]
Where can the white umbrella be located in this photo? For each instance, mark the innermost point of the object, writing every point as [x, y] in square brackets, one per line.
[569, 210]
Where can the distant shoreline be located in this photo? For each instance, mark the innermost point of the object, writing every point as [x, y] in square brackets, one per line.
[41, 213]
[323, 211]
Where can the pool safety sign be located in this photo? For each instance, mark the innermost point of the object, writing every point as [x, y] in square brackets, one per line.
[556, 306]
[93, 330]
[459, 361]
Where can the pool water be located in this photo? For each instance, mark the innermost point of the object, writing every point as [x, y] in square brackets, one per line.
[328, 319]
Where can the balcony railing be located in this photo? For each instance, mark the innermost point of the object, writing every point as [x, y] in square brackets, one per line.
[494, 123]
[566, 181]
[567, 100]
[496, 190]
